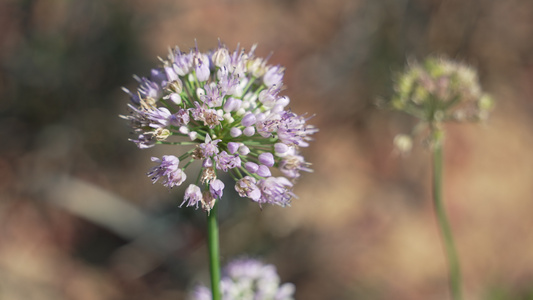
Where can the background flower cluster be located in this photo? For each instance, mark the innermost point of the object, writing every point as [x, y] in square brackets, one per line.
[247, 278]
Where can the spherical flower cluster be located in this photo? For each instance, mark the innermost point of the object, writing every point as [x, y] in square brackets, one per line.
[248, 279]
[441, 90]
[227, 108]
[436, 91]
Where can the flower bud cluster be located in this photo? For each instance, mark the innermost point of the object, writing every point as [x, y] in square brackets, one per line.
[437, 91]
[226, 107]
[440, 90]
[248, 279]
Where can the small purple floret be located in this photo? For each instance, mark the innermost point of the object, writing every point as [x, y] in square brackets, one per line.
[276, 190]
[216, 187]
[168, 170]
[246, 187]
[226, 161]
[193, 196]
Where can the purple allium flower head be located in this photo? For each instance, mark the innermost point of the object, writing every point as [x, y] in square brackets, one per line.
[226, 110]
[245, 279]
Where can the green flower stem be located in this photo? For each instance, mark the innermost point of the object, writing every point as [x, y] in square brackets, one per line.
[453, 259]
[214, 255]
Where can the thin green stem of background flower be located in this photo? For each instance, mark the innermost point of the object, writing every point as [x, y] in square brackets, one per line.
[214, 255]
[453, 259]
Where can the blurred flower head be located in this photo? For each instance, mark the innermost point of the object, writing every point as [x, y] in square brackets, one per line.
[224, 109]
[436, 91]
[441, 90]
[245, 279]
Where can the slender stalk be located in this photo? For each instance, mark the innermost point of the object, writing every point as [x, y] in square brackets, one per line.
[444, 225]
[214, 255]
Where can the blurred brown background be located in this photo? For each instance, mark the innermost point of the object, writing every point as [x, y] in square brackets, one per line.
[80, 220]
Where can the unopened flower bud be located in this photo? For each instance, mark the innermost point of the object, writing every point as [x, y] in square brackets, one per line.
[281, 148]
[248, 120]
[263, 171]
[175, 98]
[233, 147]
[251, 167]
[266, 159]
[235, 132]
[249, 131]
[244, 150]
